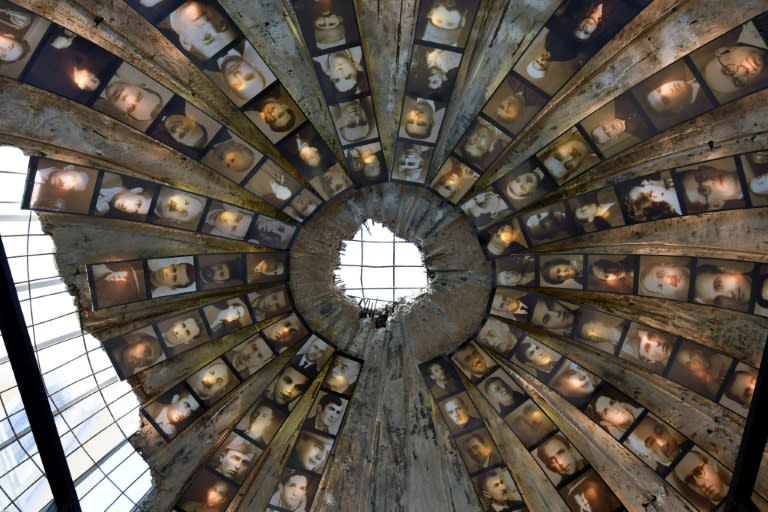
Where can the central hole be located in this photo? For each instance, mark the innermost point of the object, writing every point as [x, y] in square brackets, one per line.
[378, 269]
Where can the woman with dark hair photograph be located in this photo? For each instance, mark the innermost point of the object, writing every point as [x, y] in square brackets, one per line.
[652, 199]
[563, 272]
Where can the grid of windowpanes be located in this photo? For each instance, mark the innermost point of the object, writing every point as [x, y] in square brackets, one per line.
[377, 265]
[94, 411]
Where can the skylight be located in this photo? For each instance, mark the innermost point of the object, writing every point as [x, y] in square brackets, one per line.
[377, 268]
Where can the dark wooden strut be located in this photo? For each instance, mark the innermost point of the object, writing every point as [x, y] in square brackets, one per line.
[21, 355]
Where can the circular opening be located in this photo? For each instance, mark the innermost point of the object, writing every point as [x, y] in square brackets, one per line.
[377, 269]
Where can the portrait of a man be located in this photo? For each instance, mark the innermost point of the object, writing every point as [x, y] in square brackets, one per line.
[268, 302]
[285, 332]
[342, 73]
[473, 361]
[171, 276]
[313, 355]
[207, 493]
[231, 156]
[62, 187]
[241, 73]
[133, 98]
[178, 209]
[441, 377]
[116, 283]
[343, 375]
[482, 144]
[227, 316]
[454, 179]
[295, 491]
[311, 451]
[713, 186]
[173, 411]
[185, 128]
[249, 356]
[265, 267]
[201, 29]
[287, 387]
[216, 271]
[262, 422]
[656, 443]
[559, 458]
[478, 450]
[275, 113]
[664, 277]
[446, 22]
[421, 119]
[529, 423]
[354, 120]
[497, 490]
[183, 332]
[227, 221]
[134, 351]
[460, 413]
[235, 458]
[700, 478]
[328, 412]
[514, 104]
[568, 156]
[213, 381]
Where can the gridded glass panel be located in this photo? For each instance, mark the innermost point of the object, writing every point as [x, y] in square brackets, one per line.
[378, 265]
[94, 411]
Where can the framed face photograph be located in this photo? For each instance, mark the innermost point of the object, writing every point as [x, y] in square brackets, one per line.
[412, 161]
[273, 185]
[287, 388]
[502, 392]
[241, 73]
[235, 458]
[482, 144]
[171, 276]
[21, 34]
[611, 272]
[343, 375]
[529, 423]
[69, 66]
[207, 491]
[702, 480]
[523, 185]
[354, 120]
[326, 413]
[756, 176]
[559, 459]
[509, 303]
[671, 96]
[228, 221]
[262, 422]
[275, 113]
[61, 187]
[454, 179]
[473, 361]
[200, 29]
[268, 302]
[710, 186]
[342, 73]
[478, 450]
[134, 351]
[173, 411]
[514, 104]
[739, 388]
[554, 315]
[537, 358]
[596, 211]
[652, 197]
[227, 316]
[591, 490]
[498, 336]
[574, 383]
[249, 356]
[441, 377]
[272, 233]
[723, 283]
[326, 25]
[613, 410]
[302, 205]
[568, 156]
[421, 119]
[153, 10]
[733, 65]
[185, 128]
[445, 22]
[598, 329]
[544, 68]
[265, 267]
[562, 271]
[516, 270]
[307, 151]
[432, 72]
[665, 277]
[178, 209]
[183, 332]
[503, 238]
[124, 197]
[231, 156]
[313, 355]
[213, 381]
[366, 163]
[117, 283]
[497, 490]
[331, 182]
[133, 98]
[699, 368]
[486, 208]
[284, 333]
[295, 490]
[548, 224]
[656, 443]
[310, 452]
[216, 271]
[617, 126]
